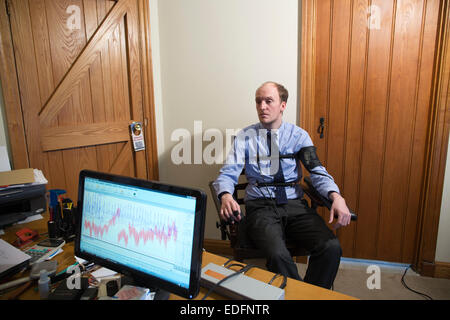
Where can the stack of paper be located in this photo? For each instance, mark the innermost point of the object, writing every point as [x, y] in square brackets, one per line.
[21, 177]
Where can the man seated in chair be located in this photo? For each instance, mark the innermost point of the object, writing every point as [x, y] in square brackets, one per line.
[275, 213]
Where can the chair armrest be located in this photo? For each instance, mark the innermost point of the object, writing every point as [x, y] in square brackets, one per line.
[214, 196]
[239, 186]
[320, 200]
[220, 225]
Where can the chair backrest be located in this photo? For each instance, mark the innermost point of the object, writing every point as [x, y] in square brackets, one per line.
[236, 234]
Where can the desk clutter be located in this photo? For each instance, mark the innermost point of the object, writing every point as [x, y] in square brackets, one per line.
[88, 287]
[27, 261]
[22, 195]
[80, 281]
[171, 221]
[63, 216]
[149, 233]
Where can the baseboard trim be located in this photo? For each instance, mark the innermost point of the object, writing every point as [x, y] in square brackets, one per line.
[442, 270]
[436, 270]
[220, 247]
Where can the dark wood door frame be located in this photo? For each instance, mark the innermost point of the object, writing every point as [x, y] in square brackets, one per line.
[437, 135]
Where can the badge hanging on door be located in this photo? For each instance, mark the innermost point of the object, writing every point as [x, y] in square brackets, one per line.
[137, 135]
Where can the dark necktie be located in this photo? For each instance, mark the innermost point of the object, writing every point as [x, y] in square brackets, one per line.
[280, 192]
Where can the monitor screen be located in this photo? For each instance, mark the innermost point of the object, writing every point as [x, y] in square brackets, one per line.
[150, 231]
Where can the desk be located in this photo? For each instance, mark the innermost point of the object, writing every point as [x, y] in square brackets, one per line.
[295, 290]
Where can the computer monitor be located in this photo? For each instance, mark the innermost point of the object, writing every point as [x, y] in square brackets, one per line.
[149, 231]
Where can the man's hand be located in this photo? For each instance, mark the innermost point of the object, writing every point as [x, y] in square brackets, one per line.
[340, 209]
[228, 206]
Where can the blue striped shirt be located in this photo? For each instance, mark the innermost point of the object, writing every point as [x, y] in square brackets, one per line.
[250, 150]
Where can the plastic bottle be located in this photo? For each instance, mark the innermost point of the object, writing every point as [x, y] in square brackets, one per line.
[43, 284]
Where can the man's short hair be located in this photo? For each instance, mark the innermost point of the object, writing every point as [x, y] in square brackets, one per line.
[282, 91]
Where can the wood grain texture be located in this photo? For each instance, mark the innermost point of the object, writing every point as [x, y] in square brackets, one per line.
[67, 44]
[148, 91]
[438, 135]
[81, 66]
[105, 154]
[400, 124]
[373, 88]
[123, 161]
[54, 169]
[11, 95]
[81, 135]
[338, 98]
[81, 87]
[322, 80]
[307, 37]
[21, 29]
[354, 122]
[135, 77]
[322, 70]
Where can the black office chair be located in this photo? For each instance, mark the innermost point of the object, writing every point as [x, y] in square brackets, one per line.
[240, 243]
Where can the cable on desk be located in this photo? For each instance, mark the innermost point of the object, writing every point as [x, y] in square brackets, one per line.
[235, 265]
[283, 284]
[227, 262]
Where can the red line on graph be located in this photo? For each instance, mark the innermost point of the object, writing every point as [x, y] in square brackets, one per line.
[96, 229]
[150, 234]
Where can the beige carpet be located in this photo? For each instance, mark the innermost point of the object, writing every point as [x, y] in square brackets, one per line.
[352, 280]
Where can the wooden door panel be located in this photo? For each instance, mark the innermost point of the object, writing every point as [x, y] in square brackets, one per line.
[322, 68]
[81, 135]
[337, 107]
[24, 51]
[81, 87]
[421, 126]
[373, 133]
[400, 128]
[354, 123]
[45, 78]
[322, 85]
[373, 87]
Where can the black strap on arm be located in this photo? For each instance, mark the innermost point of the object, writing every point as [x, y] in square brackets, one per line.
[309, 158]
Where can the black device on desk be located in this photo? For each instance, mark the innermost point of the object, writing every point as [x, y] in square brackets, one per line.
[16, 204]
[149, 231]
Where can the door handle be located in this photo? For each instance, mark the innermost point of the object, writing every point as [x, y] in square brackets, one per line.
[321, 127]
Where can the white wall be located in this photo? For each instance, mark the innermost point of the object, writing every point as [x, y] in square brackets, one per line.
[3, 127]
[156, 65]
[213, 55]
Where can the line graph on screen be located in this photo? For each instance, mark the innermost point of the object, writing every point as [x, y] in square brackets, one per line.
[135, 226]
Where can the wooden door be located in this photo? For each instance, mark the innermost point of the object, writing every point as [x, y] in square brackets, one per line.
[373, 71]
[82, 76]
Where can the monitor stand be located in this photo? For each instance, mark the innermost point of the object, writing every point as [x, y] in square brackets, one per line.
[160, 294]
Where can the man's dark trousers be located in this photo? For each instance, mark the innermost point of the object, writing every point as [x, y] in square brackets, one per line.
[268, 228]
